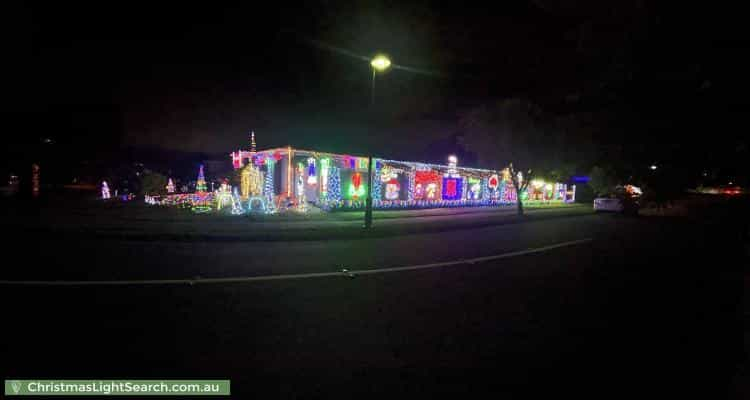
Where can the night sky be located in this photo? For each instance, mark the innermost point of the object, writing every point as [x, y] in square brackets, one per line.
[99, 77]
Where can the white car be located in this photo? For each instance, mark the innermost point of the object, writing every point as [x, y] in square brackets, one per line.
[608, 204]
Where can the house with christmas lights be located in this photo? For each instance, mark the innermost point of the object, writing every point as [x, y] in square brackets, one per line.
[295, 177]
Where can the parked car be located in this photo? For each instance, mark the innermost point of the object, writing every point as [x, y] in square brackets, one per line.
[625, 199]
[608, 204]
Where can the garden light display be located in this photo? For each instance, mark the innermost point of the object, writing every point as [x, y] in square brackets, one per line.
[237, 203]
[105, 190]
[256, 204]
[223, 196]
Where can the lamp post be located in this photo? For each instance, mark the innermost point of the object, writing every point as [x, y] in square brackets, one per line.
[379, 64]
[368, 199]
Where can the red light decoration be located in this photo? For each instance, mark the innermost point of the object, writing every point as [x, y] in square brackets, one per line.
[426, 177]
[493, 182]
[427, 185]
[357, 180]
[450, 188]
[277, 156]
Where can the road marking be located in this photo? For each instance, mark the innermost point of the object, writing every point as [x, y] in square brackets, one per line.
[298, 276]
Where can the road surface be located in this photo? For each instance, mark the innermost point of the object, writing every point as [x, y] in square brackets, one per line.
[634, 307]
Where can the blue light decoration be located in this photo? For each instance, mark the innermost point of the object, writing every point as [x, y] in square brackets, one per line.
[334, 184]
[377, 183]
[268, 189]
[312, 178]
[487, 193]
[410, 186]
[452, 188]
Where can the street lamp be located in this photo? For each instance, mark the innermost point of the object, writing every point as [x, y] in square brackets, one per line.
[379, 64]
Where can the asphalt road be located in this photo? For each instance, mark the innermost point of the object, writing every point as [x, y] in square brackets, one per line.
[646, 307]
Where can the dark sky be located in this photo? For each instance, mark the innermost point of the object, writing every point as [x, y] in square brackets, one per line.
[198, 78]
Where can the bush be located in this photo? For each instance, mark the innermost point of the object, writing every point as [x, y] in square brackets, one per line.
[153, 183]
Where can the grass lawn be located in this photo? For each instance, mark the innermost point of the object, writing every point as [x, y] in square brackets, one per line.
[88, 215]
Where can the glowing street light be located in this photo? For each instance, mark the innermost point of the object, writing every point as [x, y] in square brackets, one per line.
[379, 63]
[653, 167]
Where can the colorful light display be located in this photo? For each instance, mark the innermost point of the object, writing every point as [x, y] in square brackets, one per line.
[223, 196]
[319, 176]
[426, 185]
[452, 189]
[475, 188]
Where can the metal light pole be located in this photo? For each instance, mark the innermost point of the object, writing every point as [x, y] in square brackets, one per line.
[368, 199]
[379, 63]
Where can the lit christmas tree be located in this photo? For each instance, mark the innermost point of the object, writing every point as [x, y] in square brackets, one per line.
[200, 185]
[252, 143]
[105, 190]
[170, 186]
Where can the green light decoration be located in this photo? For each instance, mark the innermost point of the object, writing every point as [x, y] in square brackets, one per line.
[355, 193]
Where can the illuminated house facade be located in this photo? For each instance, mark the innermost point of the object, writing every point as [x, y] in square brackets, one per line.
[339, 181]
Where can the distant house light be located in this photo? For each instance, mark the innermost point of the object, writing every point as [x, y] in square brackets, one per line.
[580, 179]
